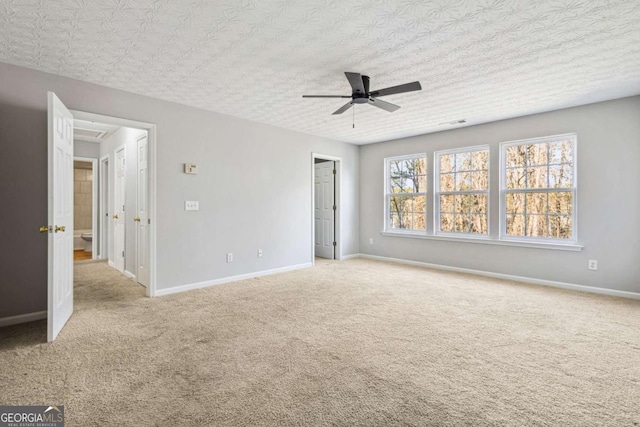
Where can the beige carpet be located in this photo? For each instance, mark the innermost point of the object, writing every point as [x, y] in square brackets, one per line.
[347, 343]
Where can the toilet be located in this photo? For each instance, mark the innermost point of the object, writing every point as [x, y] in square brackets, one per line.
[87, 237]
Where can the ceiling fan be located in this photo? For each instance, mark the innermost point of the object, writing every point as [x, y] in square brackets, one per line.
[361, 94]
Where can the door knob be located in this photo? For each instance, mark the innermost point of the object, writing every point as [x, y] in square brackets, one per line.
[137, 219]
[44, 228]
[60, 228]
[115, 217]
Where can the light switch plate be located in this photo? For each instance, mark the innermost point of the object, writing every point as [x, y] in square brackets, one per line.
[191, 206]
[190, 169]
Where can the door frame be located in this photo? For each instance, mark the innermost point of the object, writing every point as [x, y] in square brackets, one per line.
[338, 198]
[151, 132]
[112, 263]
[94, 200]
[103, 182]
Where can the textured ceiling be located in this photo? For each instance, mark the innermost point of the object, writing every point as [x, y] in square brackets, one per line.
[479, 60]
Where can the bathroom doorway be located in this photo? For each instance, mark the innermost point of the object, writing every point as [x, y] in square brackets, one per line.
[84, 208]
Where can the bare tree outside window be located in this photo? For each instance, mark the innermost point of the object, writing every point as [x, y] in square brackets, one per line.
[406, 192]
[462, 189]
[539, 188]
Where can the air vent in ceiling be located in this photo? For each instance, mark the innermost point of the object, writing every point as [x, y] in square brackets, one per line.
[455, 122]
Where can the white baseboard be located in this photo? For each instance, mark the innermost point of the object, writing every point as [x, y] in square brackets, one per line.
[23, 318]
[129, 275]
[206, 284]
[522, 279]
[350, 256]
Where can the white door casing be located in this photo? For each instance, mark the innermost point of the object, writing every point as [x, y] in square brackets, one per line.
[324, 213]
[60, 194]
[142, 217]
[103, 178]
[118, 209]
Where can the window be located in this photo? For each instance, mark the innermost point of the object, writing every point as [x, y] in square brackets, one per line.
[538, 189]
[462, 190]
[406, 192]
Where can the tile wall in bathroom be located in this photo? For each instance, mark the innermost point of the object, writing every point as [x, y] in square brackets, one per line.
[82, 198]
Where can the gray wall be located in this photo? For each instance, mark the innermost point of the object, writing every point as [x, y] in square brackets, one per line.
[90, 150]
[254, 187]
[608, 198]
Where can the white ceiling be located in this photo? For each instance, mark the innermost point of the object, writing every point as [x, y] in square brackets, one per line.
[479, 60]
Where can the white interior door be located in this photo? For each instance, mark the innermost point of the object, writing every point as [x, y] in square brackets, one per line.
[104, 208]
[142, 218]
[60, 258]
[118, 209]
[324, 214]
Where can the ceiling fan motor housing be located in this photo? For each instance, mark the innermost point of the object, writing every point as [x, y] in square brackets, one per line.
[362, 98]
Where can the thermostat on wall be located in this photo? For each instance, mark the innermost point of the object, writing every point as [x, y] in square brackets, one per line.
[190, 169]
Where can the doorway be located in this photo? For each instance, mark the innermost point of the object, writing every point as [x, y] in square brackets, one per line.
[326, 178]
[84, 209]
[61, 146]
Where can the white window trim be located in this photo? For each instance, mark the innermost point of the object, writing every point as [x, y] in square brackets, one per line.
[437, 193]
[387, 212]
[503, 191]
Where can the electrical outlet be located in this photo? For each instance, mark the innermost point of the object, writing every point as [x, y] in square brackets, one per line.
[593, 264]
[191, 206]
[229, 257]
[371, 241]
[259, 253]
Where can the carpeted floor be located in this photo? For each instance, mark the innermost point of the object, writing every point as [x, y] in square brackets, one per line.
[346, 343]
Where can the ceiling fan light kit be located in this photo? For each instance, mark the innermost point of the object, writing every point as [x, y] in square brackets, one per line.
[362, 95]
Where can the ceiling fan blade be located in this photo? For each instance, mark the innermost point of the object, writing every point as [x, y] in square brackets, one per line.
[387, 106]
[355, 80]
[407, 87]
[325, 96]
[344, 108]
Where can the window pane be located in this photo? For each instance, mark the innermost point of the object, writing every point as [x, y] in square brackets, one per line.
[561, 152]
[419, 221]
[397, 184]
[479, 203]
[446, 163]
[446, 203]
[515, 156]
[479, 224]
[516, 178]
[399, 204]
[394, 221]
[537, 203]
[515, 203]
[446, 222]
[515, 225]
[462, 223]
[394, 168]
[560, 226]
[415, 166]
[537, 154]
[419, 204]
[447, 182]
[560, 176]
[463, 181]
[537, 177]
[561, 202]
[463, 162]
[537, 225]
[480, 160]
[480, 180]
[420, 184]
[462, 203]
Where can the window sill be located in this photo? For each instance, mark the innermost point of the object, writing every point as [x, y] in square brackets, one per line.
[486, 241]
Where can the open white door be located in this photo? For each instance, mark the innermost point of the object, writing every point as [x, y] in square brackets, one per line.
[60, 260]
[142, 218]
[118, 209]
[324, 214]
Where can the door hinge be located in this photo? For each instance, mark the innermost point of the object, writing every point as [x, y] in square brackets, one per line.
[334, 171]
[122, 254]
[335, 244]
[149, 221]
[334, 207]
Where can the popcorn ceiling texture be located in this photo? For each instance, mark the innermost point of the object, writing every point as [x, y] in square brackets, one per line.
[351, 343]
[481, 60]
